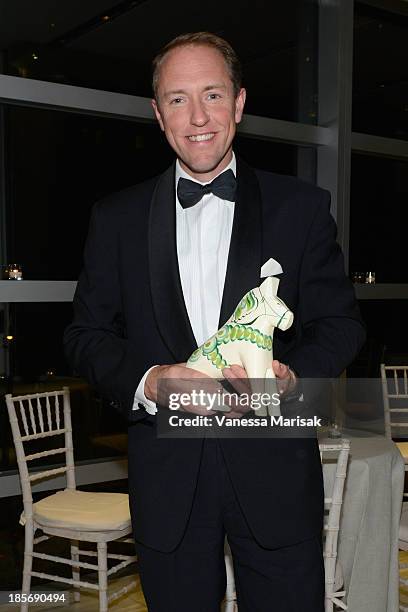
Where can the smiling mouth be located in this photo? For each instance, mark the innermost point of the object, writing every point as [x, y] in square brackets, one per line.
[201, 137]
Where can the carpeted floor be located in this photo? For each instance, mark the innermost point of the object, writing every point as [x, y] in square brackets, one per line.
[403, 558]
[134, 600]
[131, 601]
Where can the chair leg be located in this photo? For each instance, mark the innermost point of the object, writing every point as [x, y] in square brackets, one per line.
[230, 594]
[328, 605]
[103, 576]
[230, 606]
[28, 561]
[75, 570]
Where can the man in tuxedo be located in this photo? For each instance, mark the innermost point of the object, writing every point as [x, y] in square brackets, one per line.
[165, 264]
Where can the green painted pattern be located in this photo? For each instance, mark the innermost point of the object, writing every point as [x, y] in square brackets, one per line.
[230, 332]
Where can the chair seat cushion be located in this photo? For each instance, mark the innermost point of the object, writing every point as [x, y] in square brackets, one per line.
[403, 449]
[403, 528]
[80, 510]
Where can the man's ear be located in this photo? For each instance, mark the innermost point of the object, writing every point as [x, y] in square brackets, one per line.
[239, 104]
[157, 113]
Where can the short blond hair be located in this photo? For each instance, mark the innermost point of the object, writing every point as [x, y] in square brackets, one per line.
[201, 39]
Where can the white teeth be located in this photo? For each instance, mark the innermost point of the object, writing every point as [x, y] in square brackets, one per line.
[200, 137]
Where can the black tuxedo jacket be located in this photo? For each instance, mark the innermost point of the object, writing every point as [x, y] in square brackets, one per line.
[129, 314]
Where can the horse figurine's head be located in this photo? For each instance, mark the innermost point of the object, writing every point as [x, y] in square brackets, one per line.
[262, 307]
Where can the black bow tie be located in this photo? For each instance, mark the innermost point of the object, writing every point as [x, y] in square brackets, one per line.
[223, 186]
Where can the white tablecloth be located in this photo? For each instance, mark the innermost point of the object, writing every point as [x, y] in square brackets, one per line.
[368, 542]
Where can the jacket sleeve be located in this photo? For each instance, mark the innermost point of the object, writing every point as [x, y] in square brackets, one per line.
[95, 343]
[329, 328]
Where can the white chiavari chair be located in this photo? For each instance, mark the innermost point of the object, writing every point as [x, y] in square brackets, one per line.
[75, 515]
[394, 381]
[337, 453]
[333, 500]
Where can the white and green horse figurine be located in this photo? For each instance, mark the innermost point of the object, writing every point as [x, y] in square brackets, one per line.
[246, 338]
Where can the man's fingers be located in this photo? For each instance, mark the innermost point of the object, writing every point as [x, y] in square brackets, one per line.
[234, 414]
[285, 378]
[237, 371]
[281, 370]
[198, 410]
[237, 376]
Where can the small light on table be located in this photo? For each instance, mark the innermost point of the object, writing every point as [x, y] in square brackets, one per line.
[15, 272]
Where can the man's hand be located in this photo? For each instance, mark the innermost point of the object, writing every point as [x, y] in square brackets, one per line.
[180, 379]
[176, 371]
[285, 378]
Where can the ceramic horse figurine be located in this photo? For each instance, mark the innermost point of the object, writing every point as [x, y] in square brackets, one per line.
[246, 338]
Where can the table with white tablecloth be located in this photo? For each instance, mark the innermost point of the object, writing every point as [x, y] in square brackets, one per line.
[368, 541]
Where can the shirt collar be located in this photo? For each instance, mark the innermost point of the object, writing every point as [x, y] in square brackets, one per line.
[180, 173]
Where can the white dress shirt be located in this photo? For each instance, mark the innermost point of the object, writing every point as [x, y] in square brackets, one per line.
[203, 235]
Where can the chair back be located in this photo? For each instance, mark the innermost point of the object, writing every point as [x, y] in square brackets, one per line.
[338, 453]
[41, 416]
[394, 381]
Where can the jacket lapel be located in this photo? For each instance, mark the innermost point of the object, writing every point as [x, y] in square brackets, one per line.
[243, 266]
[167, 295]
[245, 253]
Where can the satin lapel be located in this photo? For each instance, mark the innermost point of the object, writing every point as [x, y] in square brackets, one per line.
[245, 253]
[167, 295]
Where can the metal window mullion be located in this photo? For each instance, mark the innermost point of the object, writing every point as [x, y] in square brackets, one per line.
[68, 98]
[278, 130]
[335, 104]
[369, 144]
[37, 291]
[4, 309]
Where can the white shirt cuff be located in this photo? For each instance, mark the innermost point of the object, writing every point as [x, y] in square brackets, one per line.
[140, 397]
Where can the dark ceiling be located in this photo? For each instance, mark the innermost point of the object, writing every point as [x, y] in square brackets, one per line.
[109, 45]
[138, 28]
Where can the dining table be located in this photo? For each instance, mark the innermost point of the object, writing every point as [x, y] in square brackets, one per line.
[368, 536]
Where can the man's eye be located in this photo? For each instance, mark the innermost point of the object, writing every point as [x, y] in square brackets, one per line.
[176, 101]
[214, 96]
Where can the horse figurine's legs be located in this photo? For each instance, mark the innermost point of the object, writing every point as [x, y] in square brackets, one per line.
[271, 389]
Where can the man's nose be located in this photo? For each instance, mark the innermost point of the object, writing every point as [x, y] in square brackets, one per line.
[199, 113]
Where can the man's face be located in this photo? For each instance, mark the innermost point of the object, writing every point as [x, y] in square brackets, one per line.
[197, 109]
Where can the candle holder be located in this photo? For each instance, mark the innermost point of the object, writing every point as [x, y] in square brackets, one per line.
[12, 271]
[358, 277]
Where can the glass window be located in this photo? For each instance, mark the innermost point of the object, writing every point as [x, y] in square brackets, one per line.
[276, 157]
[387, 338]
[380, 85]
[34, 362]
[60, 163]
[110, 45]
[379, 217]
